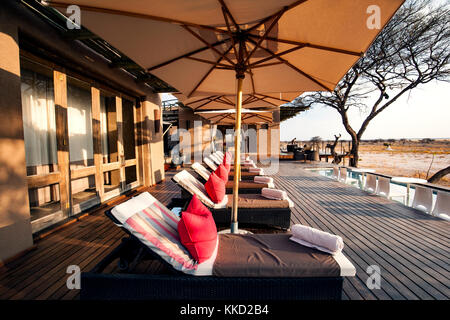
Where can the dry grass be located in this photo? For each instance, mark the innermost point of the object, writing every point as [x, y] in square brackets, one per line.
[409, 158]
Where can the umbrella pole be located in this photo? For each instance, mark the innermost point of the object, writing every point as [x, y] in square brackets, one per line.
[237, 154]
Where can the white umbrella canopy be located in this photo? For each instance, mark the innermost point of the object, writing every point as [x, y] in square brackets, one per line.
[239, 47]
[228, 116]
[287, 45]
[249, 101]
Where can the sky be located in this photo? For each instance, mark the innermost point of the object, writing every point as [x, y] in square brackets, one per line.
[424, 113]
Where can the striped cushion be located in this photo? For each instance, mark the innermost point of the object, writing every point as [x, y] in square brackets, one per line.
[156, 227]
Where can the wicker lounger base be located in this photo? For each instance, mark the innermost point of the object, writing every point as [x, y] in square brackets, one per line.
[264, 217]
[270, 217]
[97, 286]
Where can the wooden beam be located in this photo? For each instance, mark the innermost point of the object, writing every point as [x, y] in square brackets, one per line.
[83, 172]
[120, 147]
[43, 180]
[97, 141]
[62, 139]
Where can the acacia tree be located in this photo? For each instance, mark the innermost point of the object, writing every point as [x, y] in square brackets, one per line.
[412, 49]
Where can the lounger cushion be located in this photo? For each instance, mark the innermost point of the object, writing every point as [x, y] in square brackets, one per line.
[157, 228]
[256, 201]
[196, 206]
[271, 255]
[222, 173]
[198, 233]
[227, 161]
[215, 187]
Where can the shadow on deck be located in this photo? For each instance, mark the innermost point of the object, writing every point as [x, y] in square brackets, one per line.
[410, 248]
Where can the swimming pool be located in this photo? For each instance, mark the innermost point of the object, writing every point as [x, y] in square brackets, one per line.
[396, 188]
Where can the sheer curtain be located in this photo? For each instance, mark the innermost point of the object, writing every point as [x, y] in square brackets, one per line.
[39, 127]
[38, 112]
[79, 117]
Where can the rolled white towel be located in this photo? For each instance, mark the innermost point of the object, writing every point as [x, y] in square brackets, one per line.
[259, 171]
[274, 194]
[318, 239]
[263, 179]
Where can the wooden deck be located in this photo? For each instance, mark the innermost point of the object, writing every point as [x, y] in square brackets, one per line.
[410, 248]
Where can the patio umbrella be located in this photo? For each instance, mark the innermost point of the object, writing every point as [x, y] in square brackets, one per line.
[249, 101]
[236, 47]
[228, 116]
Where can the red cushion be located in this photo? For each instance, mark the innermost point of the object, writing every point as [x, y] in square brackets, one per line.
[196, 206]
[227, 161]
[215, 188]
[198, 233]
[222, 173]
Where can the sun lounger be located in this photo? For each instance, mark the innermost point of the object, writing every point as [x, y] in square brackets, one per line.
[254, 209]
[246, 186]
[285, 269]
[245, 174]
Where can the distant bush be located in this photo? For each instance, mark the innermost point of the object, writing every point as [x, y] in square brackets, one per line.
[427, 140]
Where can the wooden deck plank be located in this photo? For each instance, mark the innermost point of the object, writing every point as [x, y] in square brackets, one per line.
[410, 247]
[421, 283]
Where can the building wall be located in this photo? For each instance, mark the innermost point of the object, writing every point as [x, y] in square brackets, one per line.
[15, 227]
[19, 27]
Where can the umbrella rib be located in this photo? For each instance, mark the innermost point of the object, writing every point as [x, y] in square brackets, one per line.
[270, 97]
[186, 55]
[266, 33]
[249, 70]
[137, 15]
[211, 62]
[208, 44]
[276, 55]
[205, 98]
[294, 67]
[310, 45]
[230, 33]
[284, 9]
[208, 73]
[225, 101]
[253, 66]
[227, 11]
[207, 102]
[271, 103]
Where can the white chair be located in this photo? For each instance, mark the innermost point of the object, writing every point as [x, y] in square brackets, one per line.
[442, 206]
[371, 183]
[384, 189]
[335, 173]
[344, 178]
[423, 199]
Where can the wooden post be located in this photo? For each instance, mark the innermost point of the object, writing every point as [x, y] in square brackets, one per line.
[62, 139]
[120, 149]
[96, 133]
[237, 154]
